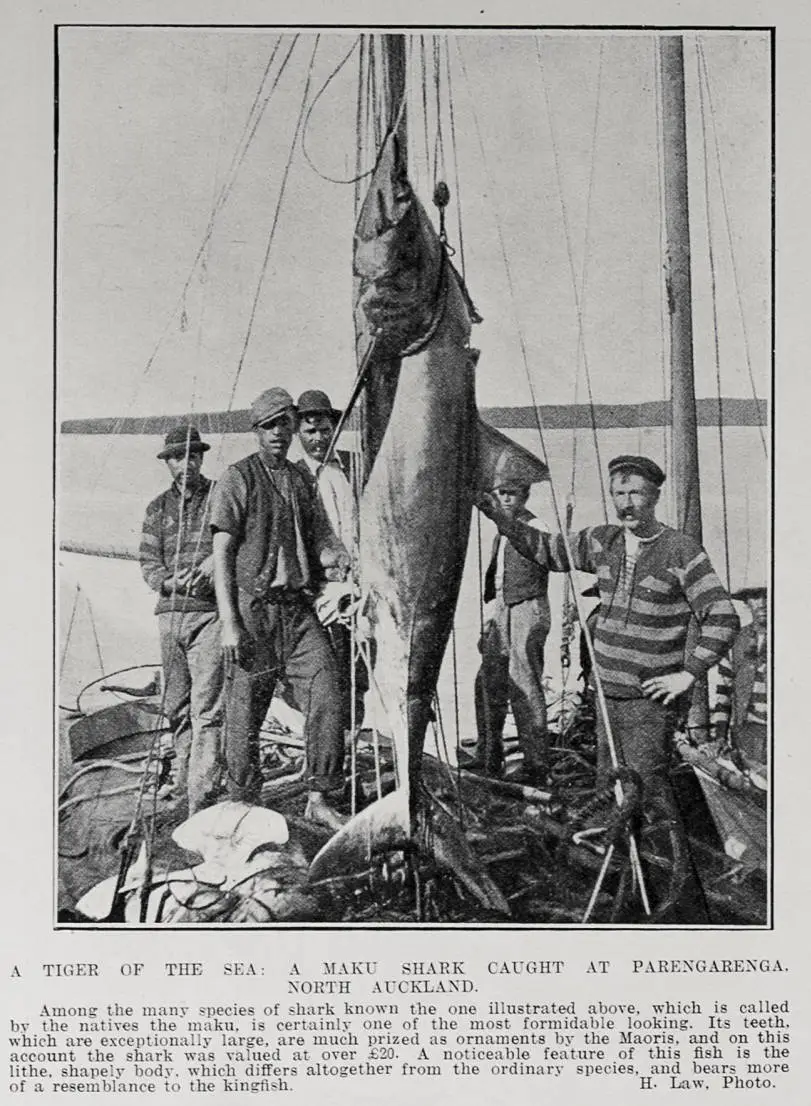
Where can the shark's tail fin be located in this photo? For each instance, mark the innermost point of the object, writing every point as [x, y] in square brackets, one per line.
[385, 826]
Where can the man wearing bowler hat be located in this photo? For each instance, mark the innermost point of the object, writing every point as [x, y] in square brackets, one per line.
[652, 581]
[739, 715]
[176, 562]
[273, 546]
[317, 419]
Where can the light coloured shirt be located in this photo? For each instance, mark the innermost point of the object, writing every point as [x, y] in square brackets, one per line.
[292, 565]
[336, 496]
[633, 543]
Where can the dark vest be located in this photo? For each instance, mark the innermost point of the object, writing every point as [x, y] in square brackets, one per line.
[523, 578]
[258, 550]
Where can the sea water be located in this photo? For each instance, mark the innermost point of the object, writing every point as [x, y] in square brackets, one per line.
[105, 483]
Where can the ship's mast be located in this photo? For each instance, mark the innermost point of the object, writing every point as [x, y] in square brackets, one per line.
[685, 472]
[394, 53]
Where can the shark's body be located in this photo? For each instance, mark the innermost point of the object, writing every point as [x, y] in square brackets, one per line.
[426, 454]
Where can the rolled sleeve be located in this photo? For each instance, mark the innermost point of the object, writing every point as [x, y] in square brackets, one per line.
[229, 503]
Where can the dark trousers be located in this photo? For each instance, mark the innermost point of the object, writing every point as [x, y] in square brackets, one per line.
[511, 674]
[290, 643]
[641, 729]
[340, 638]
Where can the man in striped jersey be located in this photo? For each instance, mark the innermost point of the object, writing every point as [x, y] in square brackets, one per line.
[652, 581]
[177, 563]
[739, 714]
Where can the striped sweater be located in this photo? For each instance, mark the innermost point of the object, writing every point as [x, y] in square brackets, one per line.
[741, 693]
[159, 546]
[645, 610]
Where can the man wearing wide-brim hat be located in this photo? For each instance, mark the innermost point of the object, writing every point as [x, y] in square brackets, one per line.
[273, 546]
[740, 711]
[652, 581]
[176, 562]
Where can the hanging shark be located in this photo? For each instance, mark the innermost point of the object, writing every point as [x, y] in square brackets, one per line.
[426, 455]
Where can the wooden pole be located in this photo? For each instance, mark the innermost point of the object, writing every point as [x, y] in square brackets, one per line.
[685, 474]
[394, 52]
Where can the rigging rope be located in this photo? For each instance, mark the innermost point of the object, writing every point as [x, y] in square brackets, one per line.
[148, 817]
[360, 174]
[274, 225]
[639, 426]
[76, 595]
[176, 615]
[219, 184]
[580, 347]
[69, 633]
[728, 224]
[564, 213]
[95, 635]
[439, 144]
[424, 87]
[252, 123]
[714, 300]
[255, 115]
[601, 699]
[359, 123]
[455, 149]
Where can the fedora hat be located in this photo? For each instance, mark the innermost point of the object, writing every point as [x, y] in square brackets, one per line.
[181, 440]
[315, 402]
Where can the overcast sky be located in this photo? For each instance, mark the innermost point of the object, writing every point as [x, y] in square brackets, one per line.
[150, 120]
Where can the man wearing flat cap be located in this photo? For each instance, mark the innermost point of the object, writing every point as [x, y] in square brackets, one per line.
[513, 640]
[653, 580]
[739, 715]
[176, 562]
[273, 546]
[317, 419]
